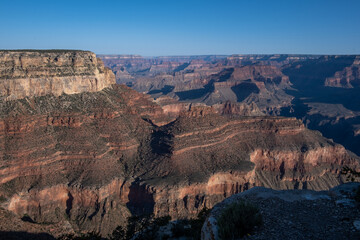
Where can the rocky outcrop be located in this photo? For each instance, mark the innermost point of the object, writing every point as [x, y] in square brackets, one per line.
[290, 214]
[38, 73]
[173, 108]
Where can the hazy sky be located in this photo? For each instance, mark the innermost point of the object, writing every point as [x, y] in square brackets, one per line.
[181, 27]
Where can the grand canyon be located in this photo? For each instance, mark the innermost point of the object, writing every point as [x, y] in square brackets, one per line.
[87, 141]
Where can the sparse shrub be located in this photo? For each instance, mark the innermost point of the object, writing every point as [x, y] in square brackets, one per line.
[140, 227]
[191, 228]
[118, 234]
[147, 227]
[137, 224]
[238, 219]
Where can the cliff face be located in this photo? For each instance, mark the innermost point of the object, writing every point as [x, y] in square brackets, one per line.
[38, 73]
[173, 108]
[349, 77]
[87, 161]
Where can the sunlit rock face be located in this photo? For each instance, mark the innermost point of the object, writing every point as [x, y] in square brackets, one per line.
[86, 161]
[38, 73]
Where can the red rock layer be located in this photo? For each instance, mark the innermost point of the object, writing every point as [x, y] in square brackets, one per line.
[87, 161]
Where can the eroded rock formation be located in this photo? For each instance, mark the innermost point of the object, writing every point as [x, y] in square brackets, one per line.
[38, 73]
[349, 77]
[319, 89]
[87, 161]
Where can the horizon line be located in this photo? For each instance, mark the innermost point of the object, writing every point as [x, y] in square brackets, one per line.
[182, 55]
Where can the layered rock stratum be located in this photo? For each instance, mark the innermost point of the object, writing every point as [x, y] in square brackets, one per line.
[85, 161]
[38, 73]
[321, 90]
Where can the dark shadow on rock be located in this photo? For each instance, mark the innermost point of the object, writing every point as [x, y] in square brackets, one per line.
[9, 235]
[225, 74]
[191, 94]
[308, 79]
[196, 93]
[141, 200]
[69, 203]
[165, 90]
[27, 218]
[182, 67]
[243, 90]
[161, 142]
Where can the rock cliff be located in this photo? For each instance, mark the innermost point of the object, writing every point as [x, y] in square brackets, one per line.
[38, 73]
[349, 77]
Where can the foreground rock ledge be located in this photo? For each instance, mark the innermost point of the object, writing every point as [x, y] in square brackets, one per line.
[297, 214]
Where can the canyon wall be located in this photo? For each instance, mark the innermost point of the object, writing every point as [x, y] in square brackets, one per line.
[86, 161]
[319, 89]
[349, 77]
[38, 73]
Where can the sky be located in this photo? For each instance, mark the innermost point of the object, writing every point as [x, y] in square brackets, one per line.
[182, 27]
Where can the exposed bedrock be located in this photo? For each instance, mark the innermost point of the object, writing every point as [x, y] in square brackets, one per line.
[87, 161]
[94, 170]
[349, 77]
[38, 73]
